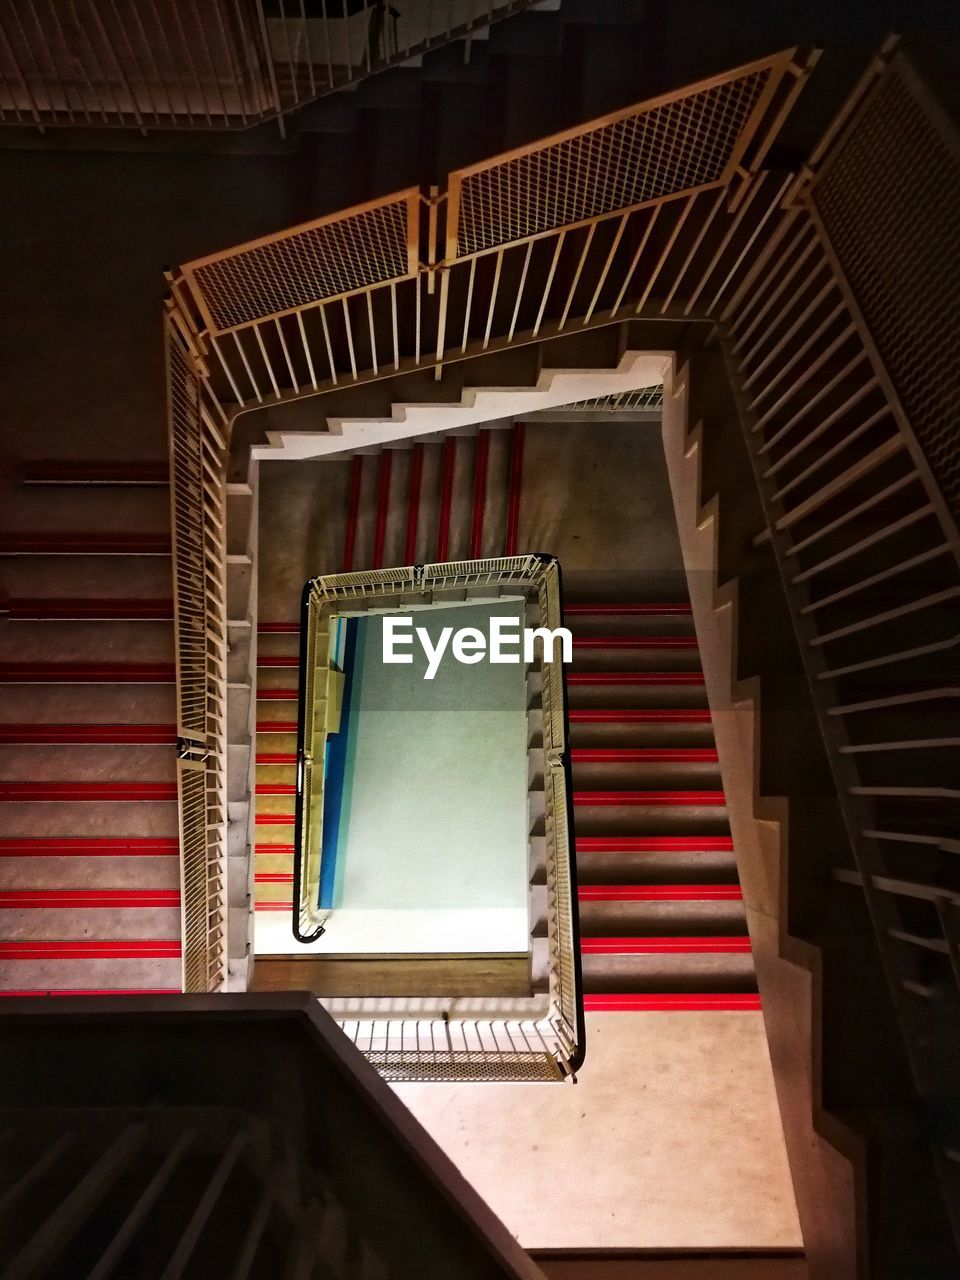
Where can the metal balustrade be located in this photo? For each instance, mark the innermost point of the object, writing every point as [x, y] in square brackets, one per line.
[208, 64]
[248, 332]
[845, 408]
[543, 1041]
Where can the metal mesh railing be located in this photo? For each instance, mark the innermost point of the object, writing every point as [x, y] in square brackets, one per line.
[685, 141]
[323, 259]
[534, 1047]
[646, 398]
[901, 255]
[207, 64]
[197, 478]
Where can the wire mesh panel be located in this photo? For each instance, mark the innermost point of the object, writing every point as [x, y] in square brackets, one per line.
[676, 143]
[901, 253]
[197, 465]
[333, 256]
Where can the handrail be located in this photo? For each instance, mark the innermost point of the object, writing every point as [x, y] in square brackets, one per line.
[272, 321]
[210, 64]
[559, 1032]
[846, 389]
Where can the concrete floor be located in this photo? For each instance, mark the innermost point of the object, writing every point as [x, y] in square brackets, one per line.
[671, 1138]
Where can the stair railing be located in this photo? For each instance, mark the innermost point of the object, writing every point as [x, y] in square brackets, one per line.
[844, 372]
[210, 64]
[540, 1040]
[413, 280]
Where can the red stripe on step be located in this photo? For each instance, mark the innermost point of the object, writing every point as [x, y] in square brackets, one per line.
[91, 847]
[278, 628]
[57, 608]
[413, 503]
[88, 791]
[53, 472]
[653, 799]
[273, 877]
[659, 893]
[683, 716]
[447, 467]
[654, 844]
[276, 726]
[278, 660]
[277, 695]
[635, 677]
[34, 949]
[628, 610]
[73, 544]
[642, 755]
[90, 898]
[664, 946]
[276, 757]
[479, 493]
[273, 850]
[273, 906]
[706, 1003]
[383, 506]
[276, 789]
[274, 820]
[635, 642]
[353, 511]
[86, 673]
[31, 992]
[513, 490]
[150, 734]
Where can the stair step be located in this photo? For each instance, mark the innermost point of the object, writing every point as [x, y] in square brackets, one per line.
[659, 893]
[643, 755]
[692, 715]
[75, 898]
[634, 642]
[54, 472]
[87, 949]
[650, 799]
[635, 677]
[87, 791]
[276, 789]
[277, 695]
[150, 734]
[654, 844]
[87, 673]
[54, 609]
[278, 660]
[276, 757]
[627, 610]
[32, 992]
[277, 726]
[650, 946]
[274, 820]
[273, 906]
[666, 1002]
[84, 544]
[92, 846]
[278, 628]
[273, 877]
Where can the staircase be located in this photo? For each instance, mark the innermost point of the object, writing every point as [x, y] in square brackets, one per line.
[89, 867]
[662, 919]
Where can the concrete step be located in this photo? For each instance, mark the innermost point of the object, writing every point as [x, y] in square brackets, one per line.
[63, 918]
[678, 970]
[81, 872]
[80, 976]
[664, 694]
[586, 734]
[87, 763]
[117, 509]
[88, 704]
[103, 642]
[667, 915]
[96, 577]
[649, 819]
[624, 769]
[31, 819]
[652, 866]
